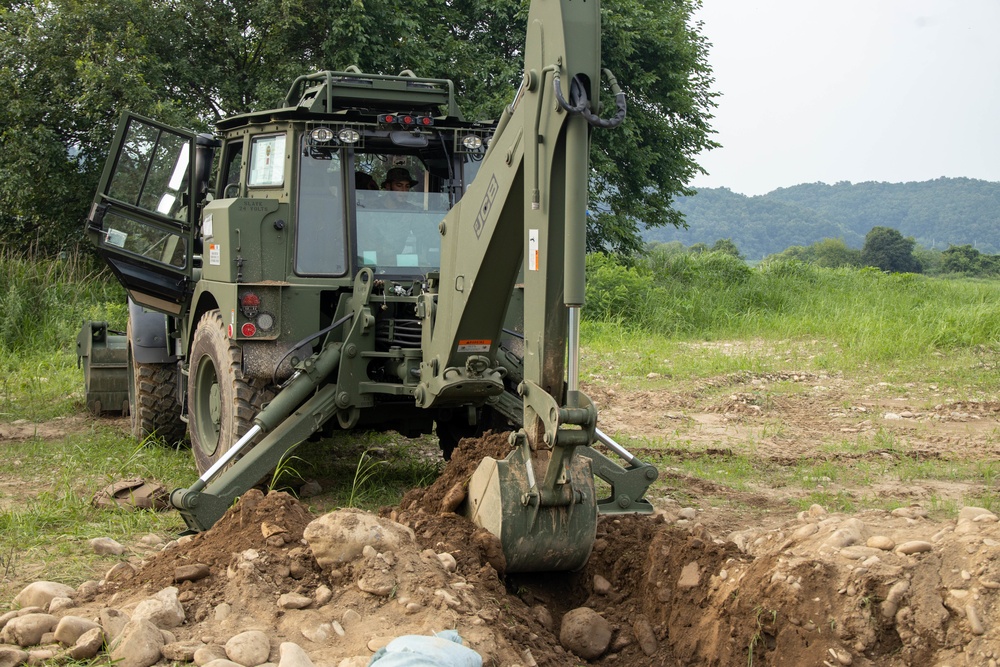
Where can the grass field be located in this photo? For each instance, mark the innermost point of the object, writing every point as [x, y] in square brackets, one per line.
[709, 345]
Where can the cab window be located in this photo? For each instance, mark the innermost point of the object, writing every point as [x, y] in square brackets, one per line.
[320, 242]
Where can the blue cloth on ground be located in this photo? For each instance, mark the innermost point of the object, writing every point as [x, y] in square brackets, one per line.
[442, 650]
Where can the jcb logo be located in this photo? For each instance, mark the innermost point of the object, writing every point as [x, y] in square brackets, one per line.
[484, 208]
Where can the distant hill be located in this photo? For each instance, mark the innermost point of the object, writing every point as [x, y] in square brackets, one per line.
[938, 213]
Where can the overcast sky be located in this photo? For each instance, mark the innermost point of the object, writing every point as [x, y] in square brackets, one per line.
[852, 90]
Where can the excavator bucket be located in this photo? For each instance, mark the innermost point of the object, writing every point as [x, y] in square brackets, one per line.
[537, 534]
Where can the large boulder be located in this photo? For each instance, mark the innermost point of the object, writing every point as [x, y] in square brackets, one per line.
[339, 537]
[40, 593]
[163, 610]
[27, 630]
[138, 645]
[585, 632]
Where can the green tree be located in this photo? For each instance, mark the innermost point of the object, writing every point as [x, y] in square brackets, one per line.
[887, 249]
[727, 247]
[834, 253]
[70, 67]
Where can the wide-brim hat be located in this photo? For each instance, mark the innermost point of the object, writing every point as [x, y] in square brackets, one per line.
[399, 174]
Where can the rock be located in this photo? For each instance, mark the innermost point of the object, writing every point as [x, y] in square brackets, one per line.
[40, 593]
[268, 529]
[802, 532]
[88, 645]
[914, 547]
[491, 549]
[690, 576]
[585, 632]
[893, 597]
[71, 628]
[975, 622]
[163, 610]
[105, 546]
[322, 595]
[816, 511]
[206, 654]
[643, 631]
[11, 657]
[120, 572]
[181, 651]
[688, 513]
[377, 583]
[168, 637]
[88, 589]
[192, 572]
[294, 601]
[27, 630]
[350, 617]
[448, 561]
[40, 656]
[292, 655]
[340, 537]
[249, 648]
[310, 489]
[601, 585]
[113, 622]
[138, 645]
[453, 498]
[910, 512]
[972, 513]
[375, 643]
[60, 604]
[880, 542]
[316, 632]
[356, 661]
[223, 611]
[222, 662]
[850, 532]
[152, 540]
[543, 616]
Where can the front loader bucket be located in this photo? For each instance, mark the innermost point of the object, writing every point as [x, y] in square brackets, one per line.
[104, 357]
[534, 537]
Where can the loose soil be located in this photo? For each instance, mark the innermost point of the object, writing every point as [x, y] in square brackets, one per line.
[757, 582]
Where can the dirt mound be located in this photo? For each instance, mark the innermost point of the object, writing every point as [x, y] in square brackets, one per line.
[878, 589]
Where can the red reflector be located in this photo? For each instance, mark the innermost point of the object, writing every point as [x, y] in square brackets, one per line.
[406, 120]
[388, 118]
[248, 329]
[426, 121]
[250, 299]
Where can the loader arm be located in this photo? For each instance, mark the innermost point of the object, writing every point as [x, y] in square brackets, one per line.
[526, 211]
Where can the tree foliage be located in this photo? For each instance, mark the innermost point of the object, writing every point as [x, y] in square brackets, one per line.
[70, 67]
[885, 248]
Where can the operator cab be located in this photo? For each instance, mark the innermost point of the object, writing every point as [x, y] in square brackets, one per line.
[378, 205]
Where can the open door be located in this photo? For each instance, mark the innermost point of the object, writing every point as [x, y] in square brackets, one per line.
[142, 221]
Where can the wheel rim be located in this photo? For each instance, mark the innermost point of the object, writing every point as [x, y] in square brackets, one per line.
[207, 417]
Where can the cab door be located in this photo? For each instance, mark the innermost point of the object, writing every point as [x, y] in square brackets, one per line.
[143, 219]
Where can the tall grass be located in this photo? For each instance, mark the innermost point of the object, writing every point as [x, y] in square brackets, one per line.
[874, 317]
[43, 302]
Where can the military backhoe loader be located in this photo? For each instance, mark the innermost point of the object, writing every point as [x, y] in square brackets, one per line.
[295, 296]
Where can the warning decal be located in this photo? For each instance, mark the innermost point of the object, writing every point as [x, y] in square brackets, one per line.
[532, 249]
[214, 254]
[474, 345]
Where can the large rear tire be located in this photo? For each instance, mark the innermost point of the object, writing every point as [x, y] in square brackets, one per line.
[221, 402]
[154, 411]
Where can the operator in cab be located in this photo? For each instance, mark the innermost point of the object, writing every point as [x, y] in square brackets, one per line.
[398, 184]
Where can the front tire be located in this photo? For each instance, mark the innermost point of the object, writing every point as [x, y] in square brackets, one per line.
[221, 402]
[154, 411]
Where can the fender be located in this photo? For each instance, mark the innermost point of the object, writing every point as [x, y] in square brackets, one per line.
[150, 340]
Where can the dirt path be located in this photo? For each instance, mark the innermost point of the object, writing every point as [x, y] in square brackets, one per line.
[752, 582]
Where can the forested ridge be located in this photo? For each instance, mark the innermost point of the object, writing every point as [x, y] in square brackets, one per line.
[936, 214]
